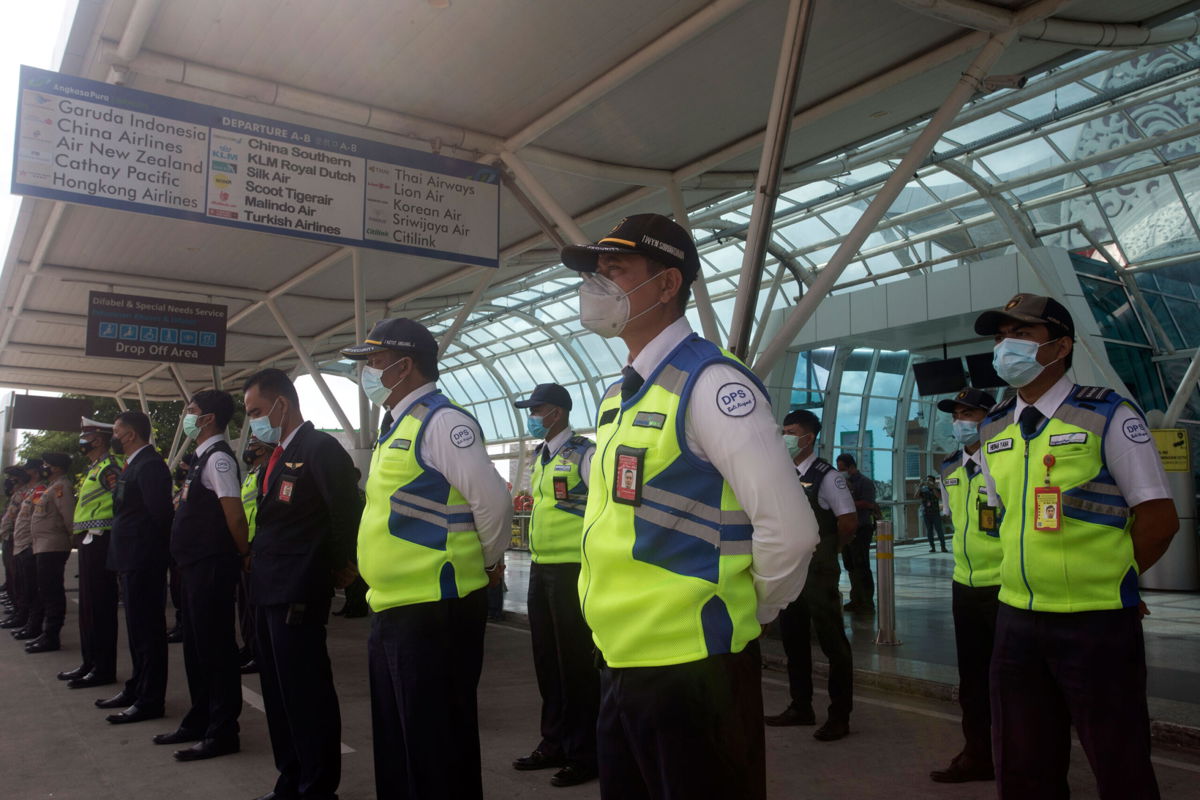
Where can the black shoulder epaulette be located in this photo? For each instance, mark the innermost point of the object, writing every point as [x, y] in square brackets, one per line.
[1003, 405]
[581, 441]
[1093, 393]
[822, 466]
[955, 456]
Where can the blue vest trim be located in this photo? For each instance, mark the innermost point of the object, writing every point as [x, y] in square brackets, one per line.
[447, 582]
[717, 626]
[1129, 589]
[675, 551]
[1094, 517]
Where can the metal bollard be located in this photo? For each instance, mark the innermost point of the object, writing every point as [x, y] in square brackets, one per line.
[885, 578]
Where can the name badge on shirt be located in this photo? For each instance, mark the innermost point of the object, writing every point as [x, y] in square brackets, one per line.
[1079, 437]
[649, 419]
[1047, 508]
[627, 475]
[286, 488]
[562, 467]
[400, 444]
[950, 481]
[560, 488]
[999, 445]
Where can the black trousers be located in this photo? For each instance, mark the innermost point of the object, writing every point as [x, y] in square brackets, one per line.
[210, 652]
[6, 555]
[144, 592]
[26, 575]
[974, 632]
[303, 716]
[564, 661]
[175, 583]
[684, 731]
[49, 608]
[425, 661]
[856, 556]
[356, 596]
[1052, 671]
[246, 615]
[933, 525]
[97, 608]
[819, 608]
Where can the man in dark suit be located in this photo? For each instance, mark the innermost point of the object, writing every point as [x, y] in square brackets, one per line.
[304, 542]
[138, 553]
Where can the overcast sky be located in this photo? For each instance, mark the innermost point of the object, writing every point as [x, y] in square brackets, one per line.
[34, 33]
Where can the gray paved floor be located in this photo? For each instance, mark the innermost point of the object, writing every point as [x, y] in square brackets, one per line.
[55, 744]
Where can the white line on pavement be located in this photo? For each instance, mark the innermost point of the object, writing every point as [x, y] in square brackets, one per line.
[255, 699]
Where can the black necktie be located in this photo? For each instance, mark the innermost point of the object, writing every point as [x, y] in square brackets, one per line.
[972, 468]
[545, 454]
[1031, 420]
[631, 383]
[386, 424]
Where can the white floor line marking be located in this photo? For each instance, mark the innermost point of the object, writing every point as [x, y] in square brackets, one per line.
[255, 699]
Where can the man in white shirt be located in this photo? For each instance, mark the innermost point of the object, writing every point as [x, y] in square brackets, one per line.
[821, 601]
[695, 534]
[432, 537]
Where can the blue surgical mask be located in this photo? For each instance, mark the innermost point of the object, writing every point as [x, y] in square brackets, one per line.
[536, 426]
[262, 428]
[966, 431]
[371, 381]
[1015, 361]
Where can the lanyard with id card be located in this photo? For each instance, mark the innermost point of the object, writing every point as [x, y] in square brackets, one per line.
[1047, 503]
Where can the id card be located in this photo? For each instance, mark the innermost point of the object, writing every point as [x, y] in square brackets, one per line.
[560, 488]
[285, 491]
[987, 519]
[1047, 508]
[628, 474]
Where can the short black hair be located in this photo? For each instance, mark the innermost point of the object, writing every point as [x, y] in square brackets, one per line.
[273, 381]
[849, 459]
[136, 420]
[217, 403]
[805, 419]
[425, 361]
[685, 287]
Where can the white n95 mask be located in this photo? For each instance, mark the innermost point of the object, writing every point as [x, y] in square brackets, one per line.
[603, 307]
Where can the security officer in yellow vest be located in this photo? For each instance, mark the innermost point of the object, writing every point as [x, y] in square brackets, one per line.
[819, 606]
[97, 583]
[562, 644]
[696, 532]
[975, 585]
[1086, 510]
[432, 537]
[53, 514]
[254, 455]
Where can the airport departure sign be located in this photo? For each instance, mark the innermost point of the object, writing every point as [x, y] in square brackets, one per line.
[94, 143]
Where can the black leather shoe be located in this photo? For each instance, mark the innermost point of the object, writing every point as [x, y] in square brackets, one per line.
[91, 679]
[44, 644]
[208, 748]
[179, 736]
[12, 622]
[573, 775]
[792, 716]
[78, 672]
[134, 714]
[832, 730]
[175, 635]
[119, 700]
[962, 770]
[26, 633]
[538, 760]
[249, 668]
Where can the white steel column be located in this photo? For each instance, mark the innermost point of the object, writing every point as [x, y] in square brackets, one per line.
[464, 312]
[534, 188]
[1187, 385]
[141, 390]
[310, 365]
[766, 188]
[49, 230]
[967, 85]
[120, 403]
[704, 307]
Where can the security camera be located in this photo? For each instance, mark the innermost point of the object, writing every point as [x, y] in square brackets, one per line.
[994, 82]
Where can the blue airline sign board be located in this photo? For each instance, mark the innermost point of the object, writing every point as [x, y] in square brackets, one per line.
[81, 141]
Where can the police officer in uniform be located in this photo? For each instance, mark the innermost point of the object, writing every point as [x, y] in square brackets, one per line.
[820, 602]
[432, 537]
[53, 514]
[695, 534]
[23, 557]
[976, 583]
[303, 547]
[1086, 510]
[17, 571]
[138, 553]
[97, 583]
[209, 543]
[254, 455]
[562, 644]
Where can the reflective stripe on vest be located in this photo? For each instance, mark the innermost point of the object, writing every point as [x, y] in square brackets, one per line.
[250, 498]
[976, 554]
[1088, 564]
[666, 580]
[94, 508]
[556, 526]
[417, 541]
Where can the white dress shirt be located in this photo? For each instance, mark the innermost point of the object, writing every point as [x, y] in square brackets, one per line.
[834, 494]
[460, 456]
[746, 447]
[1129, 449]
[220, 474]
[555, 443]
